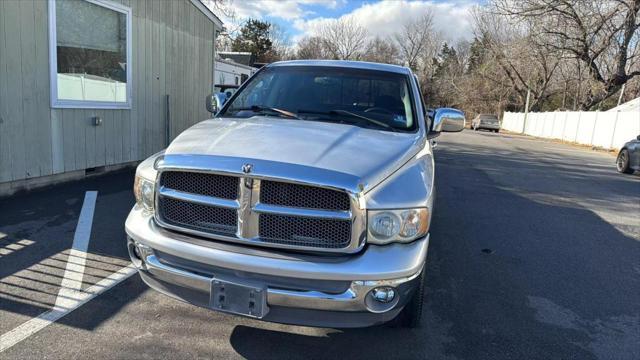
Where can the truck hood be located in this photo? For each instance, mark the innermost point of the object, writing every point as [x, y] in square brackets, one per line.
[338, 155]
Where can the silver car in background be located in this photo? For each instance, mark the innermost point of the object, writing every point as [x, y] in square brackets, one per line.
[486, 122]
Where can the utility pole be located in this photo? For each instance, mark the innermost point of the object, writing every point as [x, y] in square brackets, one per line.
[576, 99]
[526, 111]
[621, 94]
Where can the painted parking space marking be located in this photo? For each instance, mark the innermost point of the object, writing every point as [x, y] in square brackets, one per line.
[74, 271]
[13, 247]
[34, 325]
[70, 296]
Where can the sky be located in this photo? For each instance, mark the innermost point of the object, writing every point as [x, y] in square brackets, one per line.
[299, 18]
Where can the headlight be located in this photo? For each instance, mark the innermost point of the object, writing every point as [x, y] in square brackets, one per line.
[144, 192]
[387, 226]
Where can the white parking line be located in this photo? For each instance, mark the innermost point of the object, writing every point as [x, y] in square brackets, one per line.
[74, 271]
[70, 296]
[34, 325]
[13, 247]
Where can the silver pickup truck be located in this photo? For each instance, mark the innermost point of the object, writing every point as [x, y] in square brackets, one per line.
[306, 200]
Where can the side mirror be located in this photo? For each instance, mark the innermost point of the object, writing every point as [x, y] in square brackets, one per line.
[214, 102]
[638, 137]
[448, 120]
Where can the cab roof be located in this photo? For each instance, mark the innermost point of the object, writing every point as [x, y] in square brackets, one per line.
[346, 64]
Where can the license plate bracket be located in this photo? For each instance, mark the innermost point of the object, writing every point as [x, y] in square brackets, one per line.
[238, 298]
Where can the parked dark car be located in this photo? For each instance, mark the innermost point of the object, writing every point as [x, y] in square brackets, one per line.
[486, 121]
[628, 159]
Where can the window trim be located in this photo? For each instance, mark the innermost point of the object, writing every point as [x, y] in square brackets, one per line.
[53, 62]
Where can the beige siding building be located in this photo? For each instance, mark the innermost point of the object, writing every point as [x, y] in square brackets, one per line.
[92, 84]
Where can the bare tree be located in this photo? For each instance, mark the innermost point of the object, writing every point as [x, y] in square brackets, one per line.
[225, 9]
[344, 39]
[311, 47]
[419, 44]
[450, 66]
[382, 51]
[527, 65]
[414, 38]
[224, 41]
[602, 34]
[463, 51]
[281, 48]
[221, 7]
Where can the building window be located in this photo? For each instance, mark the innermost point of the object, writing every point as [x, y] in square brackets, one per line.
[90, 54]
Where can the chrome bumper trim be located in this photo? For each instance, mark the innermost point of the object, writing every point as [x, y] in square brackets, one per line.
[176, 276]
[353, 299]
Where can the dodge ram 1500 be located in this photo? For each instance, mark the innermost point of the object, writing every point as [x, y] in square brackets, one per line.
[306, 199]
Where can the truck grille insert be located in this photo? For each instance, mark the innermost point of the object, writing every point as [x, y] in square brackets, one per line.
[318, 233]
[220, 186]
[302, 196]
[198, 217]
[199, 203]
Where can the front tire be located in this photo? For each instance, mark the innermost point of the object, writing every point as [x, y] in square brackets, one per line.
[622, 162]
[411, 316]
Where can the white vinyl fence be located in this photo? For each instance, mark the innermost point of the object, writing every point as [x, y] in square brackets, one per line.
[78, 87]
[609, 130]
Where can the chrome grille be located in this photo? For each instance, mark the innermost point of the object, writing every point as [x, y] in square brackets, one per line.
[220, 186]
[318, 233]
[211, 219]
[302, 196]
[261, 212]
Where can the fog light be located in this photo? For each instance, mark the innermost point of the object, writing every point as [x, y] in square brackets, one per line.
[384, 294]
[136, 252]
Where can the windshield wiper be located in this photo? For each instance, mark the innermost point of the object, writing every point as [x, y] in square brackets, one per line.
[271, 110]
[350, 114]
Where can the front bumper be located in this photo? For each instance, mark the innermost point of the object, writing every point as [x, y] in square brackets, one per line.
[301, 289]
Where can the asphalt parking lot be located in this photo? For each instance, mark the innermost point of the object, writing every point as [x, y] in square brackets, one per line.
[535, 253]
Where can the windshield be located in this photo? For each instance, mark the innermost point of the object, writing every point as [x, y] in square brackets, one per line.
[366, 98]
